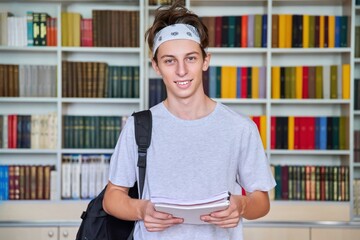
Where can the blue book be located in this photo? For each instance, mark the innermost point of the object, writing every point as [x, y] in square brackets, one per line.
[212, 82]
[337, 30]
[323, 132]
[264, 31]
[30, 29]
[238, 82]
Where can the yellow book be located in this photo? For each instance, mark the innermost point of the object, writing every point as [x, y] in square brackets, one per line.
[291, 131]
[288, 30]
[346, 81]
[305, 31]
[70, 28]
[298, 82]
[76, 29]
[228, 82]
[282, 30]
[263, 129]
[255, 82]
[322, 32]
[331, 31]
[64, 29]
[275, 82]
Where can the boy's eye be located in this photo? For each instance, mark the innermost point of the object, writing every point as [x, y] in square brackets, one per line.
[169, 61]
[191, 58]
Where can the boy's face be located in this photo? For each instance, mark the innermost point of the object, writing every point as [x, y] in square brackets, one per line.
[180, 63]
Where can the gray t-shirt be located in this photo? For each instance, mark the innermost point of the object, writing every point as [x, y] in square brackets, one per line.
[194, 159]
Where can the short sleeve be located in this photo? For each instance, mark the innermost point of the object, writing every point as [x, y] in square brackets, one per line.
[254, 168]
[122, 170]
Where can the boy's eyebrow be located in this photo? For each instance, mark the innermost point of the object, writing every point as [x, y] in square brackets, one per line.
[190, 53]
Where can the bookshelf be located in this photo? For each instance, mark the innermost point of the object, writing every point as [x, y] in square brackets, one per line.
[299, 210]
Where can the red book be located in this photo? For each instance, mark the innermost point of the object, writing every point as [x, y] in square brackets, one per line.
[311, 133]
[302, 132]
[297, 133]
[218, 31]
[244, 30]
[244, 87]
[273, 132]
[305, 83]
[256, 120]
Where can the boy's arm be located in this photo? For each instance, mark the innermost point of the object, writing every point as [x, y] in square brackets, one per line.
[117, 203]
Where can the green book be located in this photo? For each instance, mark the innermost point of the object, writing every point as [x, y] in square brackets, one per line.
[335, 132]
[333, 81]
[319, 82]
[258, 30]
[136, 79]
[311, 31]
[231, 31]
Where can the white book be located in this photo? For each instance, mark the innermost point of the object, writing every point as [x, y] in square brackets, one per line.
[53, 185]
[66, 177]
[192, 210]
[75, 176]
[92, 177]
[85, 177]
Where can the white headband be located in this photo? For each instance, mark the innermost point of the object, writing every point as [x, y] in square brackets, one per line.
[175, 31]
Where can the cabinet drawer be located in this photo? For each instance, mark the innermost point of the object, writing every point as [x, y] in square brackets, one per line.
[261, 233]
[334, 233]
[28, 233]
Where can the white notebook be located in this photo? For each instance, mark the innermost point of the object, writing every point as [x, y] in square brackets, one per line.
[191, 210]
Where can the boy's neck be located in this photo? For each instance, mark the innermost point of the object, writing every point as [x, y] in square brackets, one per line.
[189, 109]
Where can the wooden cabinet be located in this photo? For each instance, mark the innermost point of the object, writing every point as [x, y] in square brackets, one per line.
[29, 233]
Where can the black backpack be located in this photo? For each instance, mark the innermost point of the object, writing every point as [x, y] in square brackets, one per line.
[96, 223]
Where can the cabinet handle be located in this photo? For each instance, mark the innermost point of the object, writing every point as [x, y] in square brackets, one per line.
[66, 234]
[51, 234]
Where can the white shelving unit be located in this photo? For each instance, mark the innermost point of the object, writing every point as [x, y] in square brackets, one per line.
[300, 212]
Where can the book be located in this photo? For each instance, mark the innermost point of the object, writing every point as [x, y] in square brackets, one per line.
[191, 210]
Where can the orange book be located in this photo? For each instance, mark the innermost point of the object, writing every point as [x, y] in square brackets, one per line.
[288, 30]
[305, 37]
[298, 82]
[228, 82]
[244, 30]
[331, 31]
[291, 131]
[255, 82]
[282, 30]
[275, 82]
[263, 129]
[346, 81]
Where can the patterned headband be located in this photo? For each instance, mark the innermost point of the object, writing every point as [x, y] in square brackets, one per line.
[175, 31]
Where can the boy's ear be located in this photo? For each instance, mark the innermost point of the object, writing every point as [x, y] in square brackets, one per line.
[206, 63]
[155, 67]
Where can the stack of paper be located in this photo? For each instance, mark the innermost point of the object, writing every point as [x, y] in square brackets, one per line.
[191, 210]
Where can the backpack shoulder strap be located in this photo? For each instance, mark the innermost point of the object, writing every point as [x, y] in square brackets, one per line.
[143, 129]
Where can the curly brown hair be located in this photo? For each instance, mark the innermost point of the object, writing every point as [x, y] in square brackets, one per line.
[176, 13]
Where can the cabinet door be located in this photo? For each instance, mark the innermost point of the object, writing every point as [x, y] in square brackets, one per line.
[67, 233]
[28, 233]
[334, 234]
[268, 233]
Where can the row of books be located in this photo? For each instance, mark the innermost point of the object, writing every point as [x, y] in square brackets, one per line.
[309, 132]
[26, 182]
[309, 31]
[318, 82]
[29, 131]
[34, 29]
[83, 176]
[27, 80]
[91, 131]
[235, 82]
[106, 28]
[237, 31]
[357, 146]
[356, 197]
[311, 183]
[99, 80]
